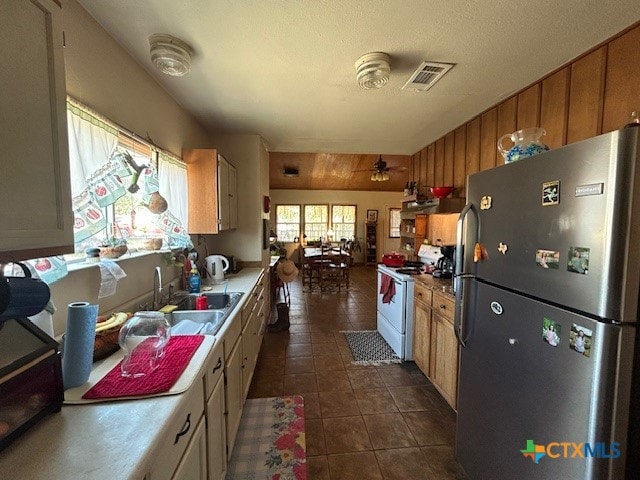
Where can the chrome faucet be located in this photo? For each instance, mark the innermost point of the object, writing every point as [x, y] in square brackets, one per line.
[157, 289]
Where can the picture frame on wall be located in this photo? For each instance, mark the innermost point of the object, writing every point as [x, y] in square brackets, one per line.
[372, 216]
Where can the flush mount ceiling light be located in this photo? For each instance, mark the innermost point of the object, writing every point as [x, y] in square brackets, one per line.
[170, 54]
[372, 70]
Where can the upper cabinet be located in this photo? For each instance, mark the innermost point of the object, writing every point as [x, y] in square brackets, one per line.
[213, 203]
[35, 193]
[228, 201]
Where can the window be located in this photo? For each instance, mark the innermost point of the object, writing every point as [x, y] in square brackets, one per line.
[343, 221]
[124, 189]
[316, 221]
[131, 216]
[287, 222]
[394, 222]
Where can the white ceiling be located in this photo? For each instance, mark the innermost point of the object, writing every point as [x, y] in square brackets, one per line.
[285, 69]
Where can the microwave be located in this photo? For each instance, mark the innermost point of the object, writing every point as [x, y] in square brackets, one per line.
[30, 377]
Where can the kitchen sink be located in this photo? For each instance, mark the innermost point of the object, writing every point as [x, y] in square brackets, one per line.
[208, 321]
[215, 301]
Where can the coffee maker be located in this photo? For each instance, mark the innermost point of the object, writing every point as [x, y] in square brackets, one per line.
[445, 264]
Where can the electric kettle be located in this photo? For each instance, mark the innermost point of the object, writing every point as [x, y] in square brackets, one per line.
[216, 265]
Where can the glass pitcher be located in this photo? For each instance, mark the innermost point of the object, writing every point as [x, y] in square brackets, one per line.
[526, 143]
[143, 339]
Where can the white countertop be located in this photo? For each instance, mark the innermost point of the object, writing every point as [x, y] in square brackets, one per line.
[111, 440]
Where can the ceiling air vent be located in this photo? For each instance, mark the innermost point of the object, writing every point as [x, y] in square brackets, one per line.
[427, 74]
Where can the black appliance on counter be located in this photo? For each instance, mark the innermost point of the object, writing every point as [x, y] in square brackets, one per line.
[30, 360]
[445, 264]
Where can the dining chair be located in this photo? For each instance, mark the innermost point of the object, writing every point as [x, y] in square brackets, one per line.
[311, 273]
[322, 264]
[339, 267]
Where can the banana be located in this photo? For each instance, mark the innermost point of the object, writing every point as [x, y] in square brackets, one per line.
[116, 320]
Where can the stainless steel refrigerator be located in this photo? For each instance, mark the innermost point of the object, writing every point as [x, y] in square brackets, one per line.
[547, 281]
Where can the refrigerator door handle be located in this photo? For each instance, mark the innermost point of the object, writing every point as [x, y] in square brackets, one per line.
[458, 284]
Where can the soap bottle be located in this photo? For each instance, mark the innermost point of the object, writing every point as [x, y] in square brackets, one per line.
[194, 281]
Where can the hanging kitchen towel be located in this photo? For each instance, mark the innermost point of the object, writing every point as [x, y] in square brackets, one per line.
[177, 355]
[110, 273]
[387, 288]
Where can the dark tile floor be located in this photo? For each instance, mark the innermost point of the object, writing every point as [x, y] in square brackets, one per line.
[362, 422]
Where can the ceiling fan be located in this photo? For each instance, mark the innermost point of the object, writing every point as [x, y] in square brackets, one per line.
[380, 170]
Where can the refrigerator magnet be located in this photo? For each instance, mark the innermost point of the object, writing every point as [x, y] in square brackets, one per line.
[550, 193]
[551, 332]
[480, 253]
[485, 202]
[502, 248]
[548, 259]
[580, 339]
[578, 260]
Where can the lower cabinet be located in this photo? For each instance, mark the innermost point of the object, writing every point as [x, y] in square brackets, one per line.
[251, 342]
[215, 414]
[435, 346]
[254, 324]
[422, 329]
[233, 394]
[193, 465]
[445, 369]
[181, 433]
[216, 433]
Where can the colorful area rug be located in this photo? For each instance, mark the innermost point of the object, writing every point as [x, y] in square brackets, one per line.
[270, 443]
[368, 347]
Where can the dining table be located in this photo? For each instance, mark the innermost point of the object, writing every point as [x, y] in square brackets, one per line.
[310, 252]
[326, 267]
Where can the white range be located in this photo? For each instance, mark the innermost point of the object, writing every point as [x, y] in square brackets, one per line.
[395, 317]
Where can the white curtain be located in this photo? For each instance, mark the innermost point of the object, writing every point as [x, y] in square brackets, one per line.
[172, 174]
[91, 142]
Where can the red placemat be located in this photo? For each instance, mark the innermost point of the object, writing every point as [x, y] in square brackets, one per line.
[177, 355]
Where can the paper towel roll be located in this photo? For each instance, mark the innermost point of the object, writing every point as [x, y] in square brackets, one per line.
[77, 357]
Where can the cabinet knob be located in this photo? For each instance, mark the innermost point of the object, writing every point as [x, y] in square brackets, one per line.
[443, 306]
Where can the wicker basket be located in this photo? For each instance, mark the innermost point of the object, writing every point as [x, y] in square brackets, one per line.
[106, 343]
[113, 252]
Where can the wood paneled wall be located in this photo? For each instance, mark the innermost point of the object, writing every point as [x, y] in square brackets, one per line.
[593, 94]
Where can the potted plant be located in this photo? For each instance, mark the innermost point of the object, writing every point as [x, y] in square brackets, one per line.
[113, 246]
[277, 248]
